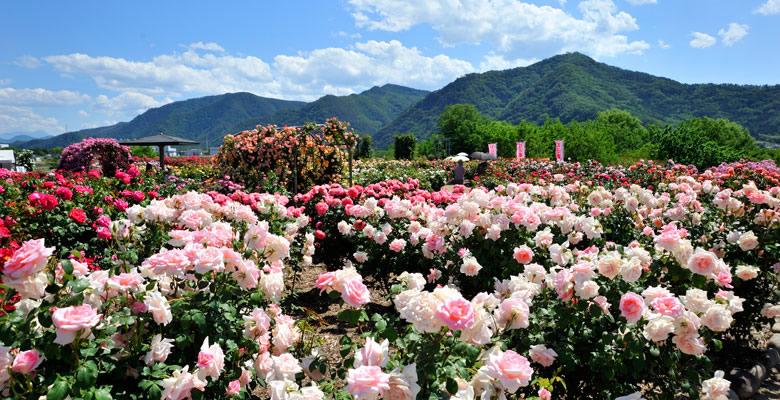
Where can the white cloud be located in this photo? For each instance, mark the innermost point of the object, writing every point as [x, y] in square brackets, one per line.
[734, 34]
[346, 35]
[509, 25]
[664, 45]
[305, 76]
[340, 71]
[98, 124]
[23, 119]
[40, 97]
[640, 2]
[28, 62]
[702, 40]
[207, 46]
[498, 62]
[127, 103]
[769, 8]
[83, 113]
[175, 74]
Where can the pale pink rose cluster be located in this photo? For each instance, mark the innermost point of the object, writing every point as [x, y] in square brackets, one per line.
[682, 317]
[346, 281]
[502, 372]
[366, 380]
[716, 388]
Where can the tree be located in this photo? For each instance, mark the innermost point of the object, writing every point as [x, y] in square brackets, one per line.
[143, 151]
[404, 146]
[364, 148]
[460, 123]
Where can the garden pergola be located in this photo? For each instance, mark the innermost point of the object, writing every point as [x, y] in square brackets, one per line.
[160, 140]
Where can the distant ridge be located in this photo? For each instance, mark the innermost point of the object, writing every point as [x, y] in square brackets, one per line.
[212, 117]
[366, 112]
[203, 118]
[575, 87]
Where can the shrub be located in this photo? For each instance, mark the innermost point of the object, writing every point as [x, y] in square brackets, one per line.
[316, 151]
[108, 152]
[404, 146]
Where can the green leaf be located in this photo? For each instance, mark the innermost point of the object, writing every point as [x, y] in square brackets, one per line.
[350, 315]
[86, 376]
[67, 266]
[104, 394]
[59, 390]
[452, 386]
[79, 285]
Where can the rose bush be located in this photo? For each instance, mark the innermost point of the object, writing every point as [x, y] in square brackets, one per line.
[522, 289]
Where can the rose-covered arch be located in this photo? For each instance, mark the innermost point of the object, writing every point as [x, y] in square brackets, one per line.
[111, 155]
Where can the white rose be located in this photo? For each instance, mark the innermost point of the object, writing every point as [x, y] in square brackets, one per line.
[717, 318]
[160, 349]
[748, 241]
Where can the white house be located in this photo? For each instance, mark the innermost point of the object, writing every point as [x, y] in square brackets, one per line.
[7, 159]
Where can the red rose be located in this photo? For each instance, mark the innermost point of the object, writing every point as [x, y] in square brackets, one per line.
[78, 215]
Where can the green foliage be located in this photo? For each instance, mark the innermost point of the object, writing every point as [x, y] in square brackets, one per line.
[573, 87]
[25, 158]
[143, 151]
[404, 146]
[364, 147]
[614, 136]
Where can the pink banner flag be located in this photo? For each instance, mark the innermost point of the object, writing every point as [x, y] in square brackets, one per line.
[492, 150]
[559, 150]
[520, 151]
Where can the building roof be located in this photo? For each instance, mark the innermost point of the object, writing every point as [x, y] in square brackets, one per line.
[160, 139]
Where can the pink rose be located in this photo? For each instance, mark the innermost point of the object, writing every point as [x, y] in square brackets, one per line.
[72, 320]
[545, 394]
[26, 361]
[513, 312]
[541, 354]
[512, 369]
[321, 208]
[669, 306]
[211, 360]
[702, 262]
[233, 388]
[397, 245]
[631, 307]
[456, 313]
[689, 343]
[372, 353]
[27, 260]
[355, 293]
[367, 382]
[523, 254]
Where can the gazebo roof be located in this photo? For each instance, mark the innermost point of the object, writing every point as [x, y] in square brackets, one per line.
[160, 139]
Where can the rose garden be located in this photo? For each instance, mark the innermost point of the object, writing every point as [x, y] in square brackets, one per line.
[261, 273]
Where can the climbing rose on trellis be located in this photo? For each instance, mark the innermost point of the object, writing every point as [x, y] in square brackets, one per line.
[112, 156]
[318, 152]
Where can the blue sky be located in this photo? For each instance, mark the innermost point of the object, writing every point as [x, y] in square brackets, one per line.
[83, 64]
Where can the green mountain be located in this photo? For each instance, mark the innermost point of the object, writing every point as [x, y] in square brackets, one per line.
[575, 87]
[366, 112]
[202, 119]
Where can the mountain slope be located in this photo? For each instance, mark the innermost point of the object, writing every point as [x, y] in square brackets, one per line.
[366, 112]
[575, 87]
[209, 117]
